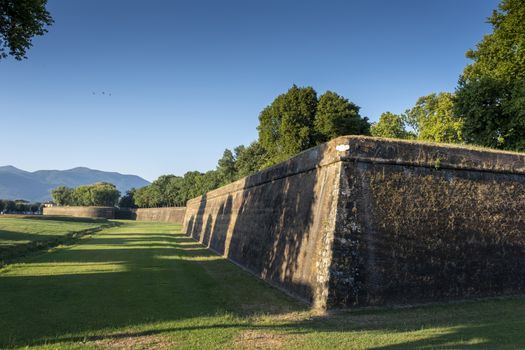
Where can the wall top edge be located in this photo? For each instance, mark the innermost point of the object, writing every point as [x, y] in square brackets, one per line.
[79, 207]
[161, 208]
[383, 151]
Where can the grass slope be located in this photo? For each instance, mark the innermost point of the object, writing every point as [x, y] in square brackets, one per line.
[22, 234]
[146, 286]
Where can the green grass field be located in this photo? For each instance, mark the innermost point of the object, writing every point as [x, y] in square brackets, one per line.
[22, 234]
[146, 286]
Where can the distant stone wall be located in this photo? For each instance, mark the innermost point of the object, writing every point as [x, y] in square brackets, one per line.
[168, 214]
[171, 214]
[90, 212]
[366, 221]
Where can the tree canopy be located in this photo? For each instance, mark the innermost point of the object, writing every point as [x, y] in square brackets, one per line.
[336, 116]
[501, 54]
[433, 119]
[62, 195]
[128, 200]
[297, 120]
[390, 125]
[286, 126]
[249, 160]
[19, 206]
[490, 97]
[20, 21]
[99, 194]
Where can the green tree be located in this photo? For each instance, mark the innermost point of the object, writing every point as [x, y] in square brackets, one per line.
[103, 194]
[336, 116]
[99, 194]
[160, 191]
[21, 207]
[494, 114]
[249, 160]
[173, 192]
[9, 205]
[491, 92]
[128, 200]
[34, 207]
[226, 169]
[82, 196]
[390, 125]
[206, 182]
[433, 119]
[141, 197]
[149, 197]
[286, 127]
[62, 195]
[296, 120]
[501, 54]
[20, 21]
[189, 186]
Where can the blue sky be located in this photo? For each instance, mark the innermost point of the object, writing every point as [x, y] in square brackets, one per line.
[188, 78]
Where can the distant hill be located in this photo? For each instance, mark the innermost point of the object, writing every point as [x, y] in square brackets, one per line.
[35, 186]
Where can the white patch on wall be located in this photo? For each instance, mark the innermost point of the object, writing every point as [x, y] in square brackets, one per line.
[342, 148]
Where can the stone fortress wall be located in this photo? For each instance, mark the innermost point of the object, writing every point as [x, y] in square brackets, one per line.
[362, 221]
[170, 214]
[89, 212]
[173, 215]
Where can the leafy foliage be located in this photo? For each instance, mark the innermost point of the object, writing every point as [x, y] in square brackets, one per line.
[491, 91]
[99, 194]
[501, 54]
[19, 206]
[128, 200]
[62, 195]
[20, 21]
[433, 119]
[390, 125]
[336, 116]
[174, 191]
[226, 169]
[494, 113]
[249, 160]
[286, 126]
[297, 120]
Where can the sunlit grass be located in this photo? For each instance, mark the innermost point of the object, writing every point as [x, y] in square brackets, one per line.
[15, 231]
[146, 286]
[61, 268]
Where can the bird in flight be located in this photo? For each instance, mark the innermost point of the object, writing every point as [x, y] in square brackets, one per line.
[102, 92]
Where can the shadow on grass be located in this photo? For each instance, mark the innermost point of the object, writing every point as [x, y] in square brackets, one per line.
[56, 218]
[17, 245]
[22, 236]
[108, 283]
[472, 334]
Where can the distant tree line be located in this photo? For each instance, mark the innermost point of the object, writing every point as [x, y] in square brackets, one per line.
[293, 122]
[19, 206]
[99, 194]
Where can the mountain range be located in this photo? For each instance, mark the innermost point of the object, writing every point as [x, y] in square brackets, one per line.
[36, 186]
